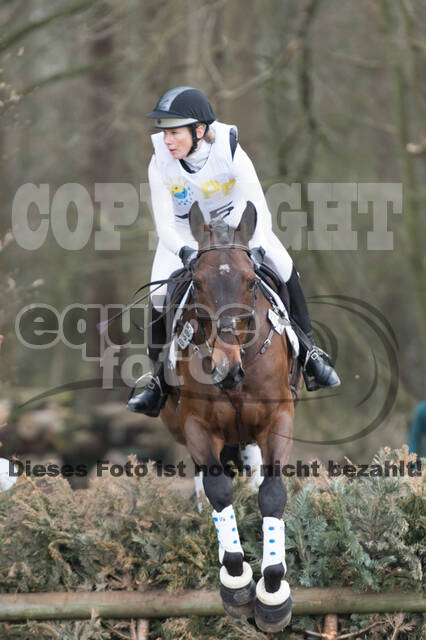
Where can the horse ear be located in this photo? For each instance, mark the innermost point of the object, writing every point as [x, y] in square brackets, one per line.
[247, 223]
[196, 222]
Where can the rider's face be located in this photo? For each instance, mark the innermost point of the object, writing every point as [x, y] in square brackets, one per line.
[178, 141]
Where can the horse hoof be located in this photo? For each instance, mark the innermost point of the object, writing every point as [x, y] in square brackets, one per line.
[238, 592]
[270, 614]
[272, 618]
[239, 603]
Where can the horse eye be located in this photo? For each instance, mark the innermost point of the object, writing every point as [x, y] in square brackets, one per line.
[197, 285]
[251, 283]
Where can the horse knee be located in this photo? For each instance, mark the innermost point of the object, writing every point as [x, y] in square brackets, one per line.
[272, 497]
[219, 491]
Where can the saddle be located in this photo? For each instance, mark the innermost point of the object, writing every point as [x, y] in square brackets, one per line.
[270, 276]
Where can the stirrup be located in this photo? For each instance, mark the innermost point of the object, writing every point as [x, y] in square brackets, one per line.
[151, 400]
[311, 356]
[133, 389]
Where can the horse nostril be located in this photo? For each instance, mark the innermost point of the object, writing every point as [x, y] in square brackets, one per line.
[233, 378]
[237, 372]
[208, 365]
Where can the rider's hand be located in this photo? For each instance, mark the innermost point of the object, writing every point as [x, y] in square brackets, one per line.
[257, 254]
[188, 256]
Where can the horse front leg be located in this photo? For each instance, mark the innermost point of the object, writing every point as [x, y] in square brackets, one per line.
[273, 600]
[248, 458]
[237, 587]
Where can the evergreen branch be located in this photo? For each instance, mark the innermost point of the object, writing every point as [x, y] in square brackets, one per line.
[169, 546]
[116, 632]
[355, 633]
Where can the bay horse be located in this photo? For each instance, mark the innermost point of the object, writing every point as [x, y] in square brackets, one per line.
[233, 369]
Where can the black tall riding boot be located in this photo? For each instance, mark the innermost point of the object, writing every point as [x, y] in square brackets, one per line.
[153, 398]
[312, 358]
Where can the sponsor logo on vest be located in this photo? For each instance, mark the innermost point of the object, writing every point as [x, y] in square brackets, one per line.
[211, 187]
[181, 193]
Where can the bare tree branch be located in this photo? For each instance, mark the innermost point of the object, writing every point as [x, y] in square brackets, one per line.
[69, 73]
[356, 60]
[280, 61]
[20, 33]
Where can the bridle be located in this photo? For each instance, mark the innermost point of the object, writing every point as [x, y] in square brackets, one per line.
[224, 323]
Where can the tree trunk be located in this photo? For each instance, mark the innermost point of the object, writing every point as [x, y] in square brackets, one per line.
[412, 209]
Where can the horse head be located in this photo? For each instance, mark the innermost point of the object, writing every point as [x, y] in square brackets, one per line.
[224, 292]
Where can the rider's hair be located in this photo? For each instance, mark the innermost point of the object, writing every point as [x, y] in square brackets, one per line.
[209, 136]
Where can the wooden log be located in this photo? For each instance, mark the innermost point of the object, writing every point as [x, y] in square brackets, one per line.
[161, 604]
[330, 627]
[142, 629]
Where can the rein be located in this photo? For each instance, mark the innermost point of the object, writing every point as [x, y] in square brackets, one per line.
[102, 326]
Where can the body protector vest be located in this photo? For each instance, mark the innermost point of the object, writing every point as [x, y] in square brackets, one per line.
[213, 186]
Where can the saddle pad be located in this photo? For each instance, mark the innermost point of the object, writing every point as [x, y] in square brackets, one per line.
[293, 339]
[178, 315]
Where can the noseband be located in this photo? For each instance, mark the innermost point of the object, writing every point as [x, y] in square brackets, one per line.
[222, 323]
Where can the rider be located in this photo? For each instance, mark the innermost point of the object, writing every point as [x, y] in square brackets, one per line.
[197, 158]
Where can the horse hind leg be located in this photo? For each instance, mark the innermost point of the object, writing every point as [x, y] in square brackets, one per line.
[251, 457]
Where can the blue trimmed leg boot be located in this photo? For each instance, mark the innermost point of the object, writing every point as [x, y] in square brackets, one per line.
[318, 369]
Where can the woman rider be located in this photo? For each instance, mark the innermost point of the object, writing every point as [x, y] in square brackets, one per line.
[197, 158]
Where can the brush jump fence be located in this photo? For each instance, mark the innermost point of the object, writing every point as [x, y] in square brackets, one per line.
[203, 602]
[133, 555]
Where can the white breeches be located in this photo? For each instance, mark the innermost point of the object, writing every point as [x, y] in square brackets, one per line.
[165, 262]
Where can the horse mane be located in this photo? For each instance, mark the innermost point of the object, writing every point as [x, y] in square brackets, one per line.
[222, 232]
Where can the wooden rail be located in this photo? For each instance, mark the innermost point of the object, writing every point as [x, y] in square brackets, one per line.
[161, 604]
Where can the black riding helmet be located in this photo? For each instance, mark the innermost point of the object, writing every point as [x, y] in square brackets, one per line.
[183, 107]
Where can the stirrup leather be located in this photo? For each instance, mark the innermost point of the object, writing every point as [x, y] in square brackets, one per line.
[314, 354]
[155, 382]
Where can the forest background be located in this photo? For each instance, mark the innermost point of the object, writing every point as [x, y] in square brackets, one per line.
[321, 91]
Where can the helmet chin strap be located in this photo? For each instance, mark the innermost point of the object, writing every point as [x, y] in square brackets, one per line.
[195, 140]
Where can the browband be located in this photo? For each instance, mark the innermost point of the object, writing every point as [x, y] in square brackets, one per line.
[224, 246]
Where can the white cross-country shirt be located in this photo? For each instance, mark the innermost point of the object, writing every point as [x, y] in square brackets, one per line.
[222, 188]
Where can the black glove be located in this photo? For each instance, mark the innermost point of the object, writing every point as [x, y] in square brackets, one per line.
[257, 254]
[188, 256]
